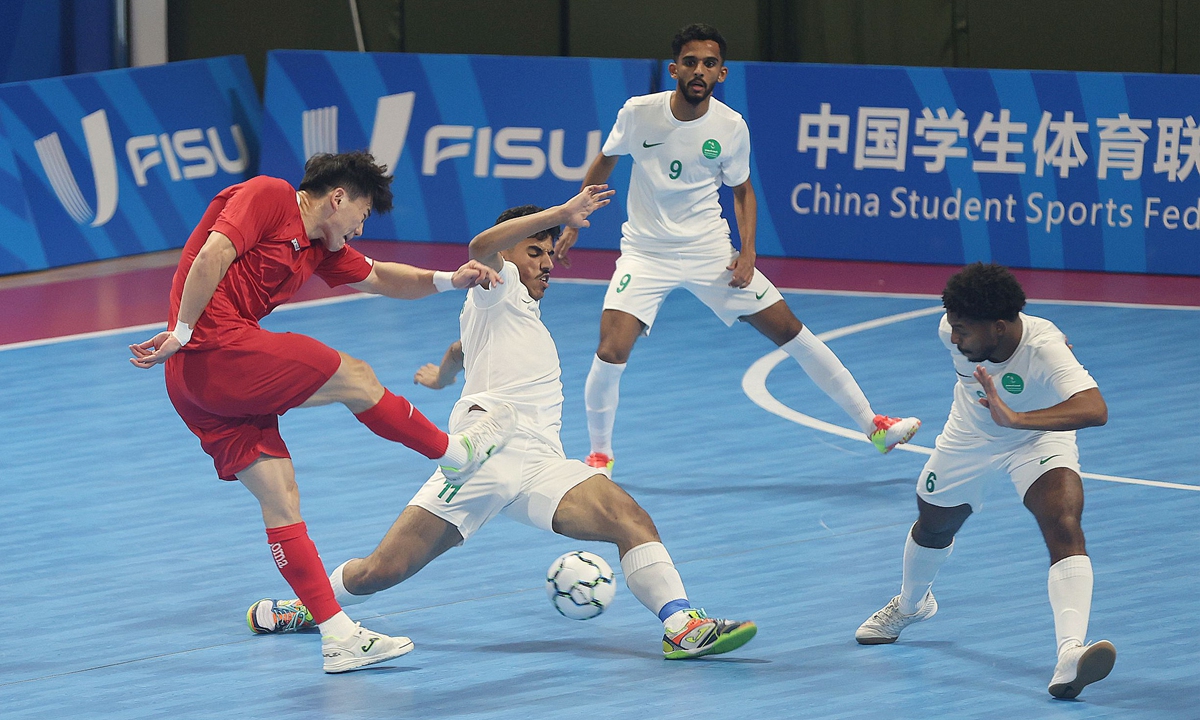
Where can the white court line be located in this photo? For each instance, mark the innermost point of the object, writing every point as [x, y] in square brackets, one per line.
[754, 384]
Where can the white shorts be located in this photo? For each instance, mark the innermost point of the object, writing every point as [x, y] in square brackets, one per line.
[525, 480]
[956, 474]
[643, 280]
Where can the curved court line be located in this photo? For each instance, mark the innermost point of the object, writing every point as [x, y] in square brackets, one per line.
[754, 384]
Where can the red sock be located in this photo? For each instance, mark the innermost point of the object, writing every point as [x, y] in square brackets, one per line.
[395, 419]
[298, 562]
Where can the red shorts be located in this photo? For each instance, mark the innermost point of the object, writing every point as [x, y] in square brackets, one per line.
[231, 397]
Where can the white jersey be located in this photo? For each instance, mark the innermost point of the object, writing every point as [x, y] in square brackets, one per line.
[678, 167]
[509, 355]
[1041, 373]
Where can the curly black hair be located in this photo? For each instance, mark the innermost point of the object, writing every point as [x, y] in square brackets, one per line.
[984, 292]
[697, 31]
[550, 233]
[355, 171]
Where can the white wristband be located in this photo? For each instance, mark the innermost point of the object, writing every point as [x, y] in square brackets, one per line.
[182, 332]
[443, 281]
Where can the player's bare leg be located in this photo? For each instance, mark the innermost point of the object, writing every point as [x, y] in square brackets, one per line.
[781, 327]
[926, 548]
[394, 418]
[598, 509]
[272, 481]
[1056, 501]
[619, 331]
[415, 538]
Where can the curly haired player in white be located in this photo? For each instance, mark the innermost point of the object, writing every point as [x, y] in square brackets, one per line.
[684, 145]
[1020, 397]
[510, 357]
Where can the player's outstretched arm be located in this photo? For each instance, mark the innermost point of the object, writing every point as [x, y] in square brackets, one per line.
[487, 245]
[405, 282]
[1083, 409]
[206, 272]
[597, 174]
[440, 376]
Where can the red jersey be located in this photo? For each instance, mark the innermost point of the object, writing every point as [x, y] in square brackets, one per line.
[274, 258]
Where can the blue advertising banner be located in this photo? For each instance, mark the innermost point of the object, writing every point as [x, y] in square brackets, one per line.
[121, 162]
[465, 136]
[1082, 171]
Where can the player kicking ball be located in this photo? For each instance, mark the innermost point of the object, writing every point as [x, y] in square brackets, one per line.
[510, 357]
[1020, 397]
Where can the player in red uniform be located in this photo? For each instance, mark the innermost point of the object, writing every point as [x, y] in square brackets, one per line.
[230, 380]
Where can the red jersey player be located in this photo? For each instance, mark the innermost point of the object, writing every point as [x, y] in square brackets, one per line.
[230, 380]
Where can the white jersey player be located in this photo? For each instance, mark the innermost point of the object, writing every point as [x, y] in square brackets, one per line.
[1020, 397]
[685, 144]
[511, 360]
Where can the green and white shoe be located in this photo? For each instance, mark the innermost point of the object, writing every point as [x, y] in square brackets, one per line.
[278, 616]
[482, 440]
[691, 633]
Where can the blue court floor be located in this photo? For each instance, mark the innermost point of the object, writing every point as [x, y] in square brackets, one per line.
[127, 566]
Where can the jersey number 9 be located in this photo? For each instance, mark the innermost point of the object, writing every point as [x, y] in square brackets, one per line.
[676, 169]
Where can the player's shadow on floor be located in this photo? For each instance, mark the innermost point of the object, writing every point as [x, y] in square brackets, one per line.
[803, 489]
[591, 647]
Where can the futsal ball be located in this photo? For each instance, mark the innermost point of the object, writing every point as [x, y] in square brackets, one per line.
[580, 585]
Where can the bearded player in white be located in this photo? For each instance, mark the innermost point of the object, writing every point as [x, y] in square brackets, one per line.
[510, 358]
[1020, 397]
[684, 145]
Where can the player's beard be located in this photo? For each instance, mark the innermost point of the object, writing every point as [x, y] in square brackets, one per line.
[693, 101]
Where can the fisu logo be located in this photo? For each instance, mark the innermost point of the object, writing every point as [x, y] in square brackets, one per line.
[393, 113]
[521, 147]
[277, 553]
[185, 154]
[104, 171]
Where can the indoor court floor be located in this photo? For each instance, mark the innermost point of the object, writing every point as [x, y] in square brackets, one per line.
[128, 566]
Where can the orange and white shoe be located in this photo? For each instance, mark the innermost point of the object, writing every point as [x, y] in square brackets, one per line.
[602, 462]
[890, 432]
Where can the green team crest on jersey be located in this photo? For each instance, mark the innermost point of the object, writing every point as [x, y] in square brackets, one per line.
[1013, 383]
[711, 149]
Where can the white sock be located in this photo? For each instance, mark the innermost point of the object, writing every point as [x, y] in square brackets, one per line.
[831, 376]
[921, 565]
[1070, 588]
[339, 626]
[600, 394]
[456, 454]
[340, 593]
[651, 576]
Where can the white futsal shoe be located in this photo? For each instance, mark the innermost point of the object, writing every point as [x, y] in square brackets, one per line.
[885, 625]
[483, 439]
[361, 649]
[1081, 665]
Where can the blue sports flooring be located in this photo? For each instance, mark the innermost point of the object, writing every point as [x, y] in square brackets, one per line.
[127, 566]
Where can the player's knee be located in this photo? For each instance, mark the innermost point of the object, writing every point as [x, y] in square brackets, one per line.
[931, 535]
[613, 353]
[358, 378]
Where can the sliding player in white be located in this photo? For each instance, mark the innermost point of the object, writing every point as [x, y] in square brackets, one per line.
[510, 357]
[684, 144]
[1020, 397]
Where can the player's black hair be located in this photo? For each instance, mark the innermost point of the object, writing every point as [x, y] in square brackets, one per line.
[984, 292]
[355, 171]
[550, 233]
[697, 31]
